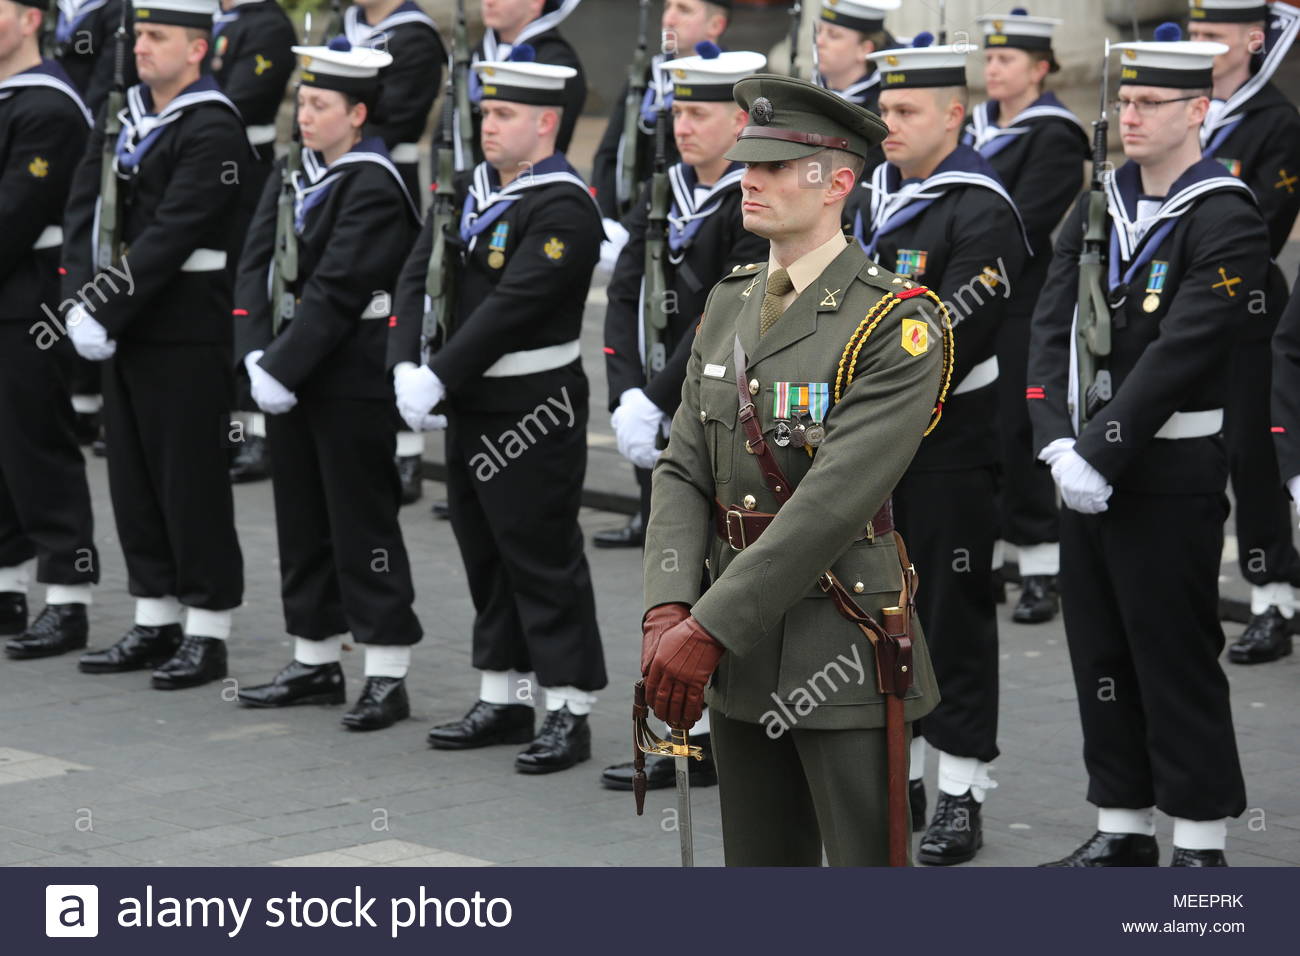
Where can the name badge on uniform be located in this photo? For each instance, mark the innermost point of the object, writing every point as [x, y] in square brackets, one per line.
[1155, 285]
[715, 371]
[497, 245]
[911, 262]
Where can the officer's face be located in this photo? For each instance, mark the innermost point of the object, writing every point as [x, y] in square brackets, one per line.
[688, 22]
[326, 120]
[1241, 39]
[510, 14]
[17, 22]
[787, 199]
[1010, 73]
[841, 51]
[704, 131]
[1151, 132]
[163, 52]
[511, 133]
[920, 124]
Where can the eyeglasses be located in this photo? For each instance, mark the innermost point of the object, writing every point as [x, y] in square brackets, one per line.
[1145, 107]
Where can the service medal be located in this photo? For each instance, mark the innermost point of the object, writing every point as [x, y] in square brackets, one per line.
[782, 434]
[1151, 302]
[496, 259]
[815, 434]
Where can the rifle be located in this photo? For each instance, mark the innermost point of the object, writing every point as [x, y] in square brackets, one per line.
[628, 174]
[1092, 328]
[943, 23]
[440, 279]
[463, 143]
[108, 237]
[49, 26]
[796, 16]
[654, 314]
[284, 265]
[335, 27]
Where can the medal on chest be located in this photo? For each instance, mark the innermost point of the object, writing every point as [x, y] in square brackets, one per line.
[798, 409]
[1155, 285]
[497, 245]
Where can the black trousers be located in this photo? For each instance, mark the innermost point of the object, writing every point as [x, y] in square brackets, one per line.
[167, 421]
[44, 499]
[1265, 550]
[1027, 497]
[343, 563]
[516, 522]
[949, 520]
[1140, 596]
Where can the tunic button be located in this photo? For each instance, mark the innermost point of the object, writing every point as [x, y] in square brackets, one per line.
[753, 386]
[859, 588]
[873, 271]
[909, 284]
[749, 502]
[704, 416]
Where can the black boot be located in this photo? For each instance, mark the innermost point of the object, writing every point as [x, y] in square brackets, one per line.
[956, 832]
[408, 470]
[298, 683]
[1038, 602]
[631, 535]
[142, 647]
[661, 772]
[564, 740]
[253, 462]
[383, 702]
[13, 613]
[485, 724]
[57, 629]
[1183, 857]
[197, 661]
[1266, 638]
[441, 510]
[1113, 849]
[916, 800]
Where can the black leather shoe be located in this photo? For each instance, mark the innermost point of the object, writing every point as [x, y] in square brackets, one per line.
[916, 799]
[1113, 849]
[564, 740]
[253, 462]
[383, 702]
[1266, 638]
[408, 470]
[631, 535]
[485, 724]
[441, 510]
[1038, 601]
[661, 772]
[298, 683]
[13, 613]
[141, 647]
[197, 661]
[57, 629]
[85, 425]
[956, 832]
[1183, 857]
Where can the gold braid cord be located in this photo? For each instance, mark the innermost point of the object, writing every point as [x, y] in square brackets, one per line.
[849, 358]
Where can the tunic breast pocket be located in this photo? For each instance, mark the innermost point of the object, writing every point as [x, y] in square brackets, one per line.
[718, 415]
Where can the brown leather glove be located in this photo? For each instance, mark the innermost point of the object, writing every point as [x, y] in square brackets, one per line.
[684, 661]
[657, 620]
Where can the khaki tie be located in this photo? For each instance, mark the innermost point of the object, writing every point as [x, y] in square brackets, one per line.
[778, 284]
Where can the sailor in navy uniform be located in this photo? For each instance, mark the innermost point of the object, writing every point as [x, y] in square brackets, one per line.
[516, 398]
[161, 326]
[1038, 148]
[936, 213]
[321, 379]
[83, 37]
[1254, 131]
[1143, 483]
[706, 241]
[252, 62]
[44, 500]
[847, 33]
[509, 23]
[406, 94]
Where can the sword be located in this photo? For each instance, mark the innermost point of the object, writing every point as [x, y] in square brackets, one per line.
[646, 741]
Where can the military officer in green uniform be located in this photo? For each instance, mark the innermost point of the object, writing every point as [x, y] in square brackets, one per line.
[841, 365]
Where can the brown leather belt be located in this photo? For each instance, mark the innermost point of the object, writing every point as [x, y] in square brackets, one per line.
[740, 527]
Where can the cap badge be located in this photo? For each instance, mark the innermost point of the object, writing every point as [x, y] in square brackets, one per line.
[760, 111]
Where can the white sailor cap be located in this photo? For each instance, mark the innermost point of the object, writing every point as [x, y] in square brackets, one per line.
[179, 13]
[865, 16]
[522, 80]
[921, 64]
[710, 74]
[1227, 11]
[1168, 61]
[341, 66]
[1018, 30]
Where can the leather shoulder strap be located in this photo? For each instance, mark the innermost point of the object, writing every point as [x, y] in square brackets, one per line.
[757, 446]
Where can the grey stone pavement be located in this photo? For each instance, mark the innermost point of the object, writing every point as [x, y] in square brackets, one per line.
[105, 771]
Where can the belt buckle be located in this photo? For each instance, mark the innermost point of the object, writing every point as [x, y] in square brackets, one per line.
[871, 532]
[740, 520]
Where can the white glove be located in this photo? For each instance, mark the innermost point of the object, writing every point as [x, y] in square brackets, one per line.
[1055, 450]
[418, 390]
[271, 397]
[636, 423]
[1293, 487]
[615, 239]
[1083, 488]
[89, 338]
